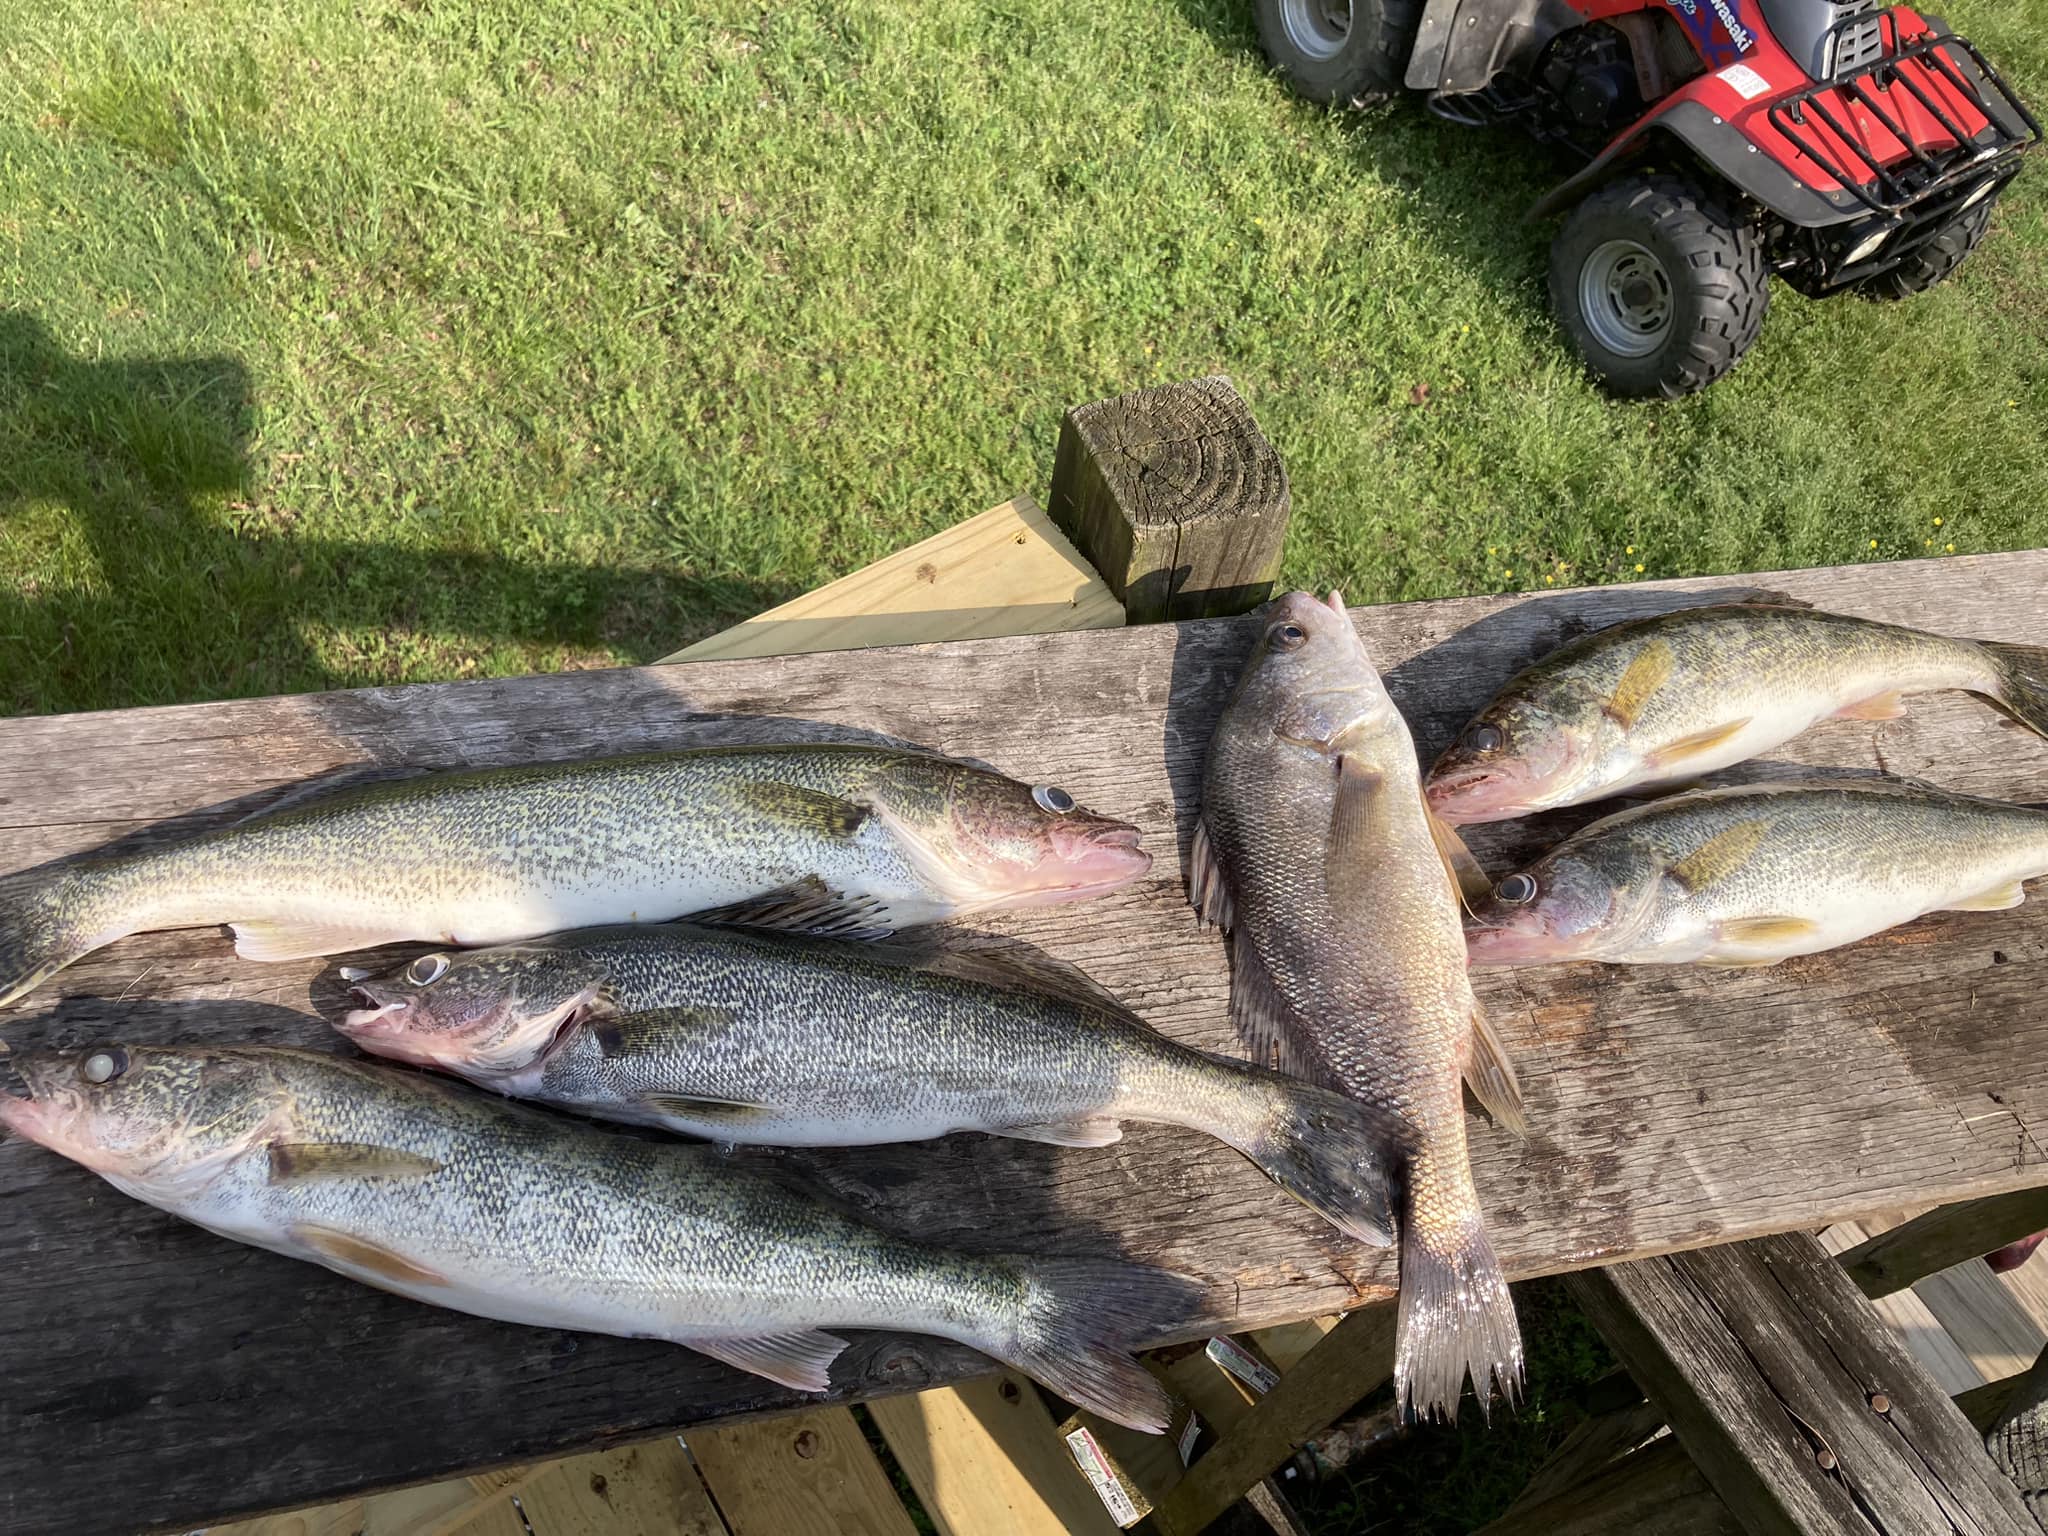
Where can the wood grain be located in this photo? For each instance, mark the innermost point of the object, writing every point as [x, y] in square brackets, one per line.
[803, 1474]
[153, 1369]
[1796, 1402]
[1944, 1236]
[1656, 1489]
[649, 1489]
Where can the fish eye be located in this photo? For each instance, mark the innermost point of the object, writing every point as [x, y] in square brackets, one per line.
[1057, 801]
[105, 1066]
[1286, 637]
[1516, 890]
[1486, 738]
[426, 970]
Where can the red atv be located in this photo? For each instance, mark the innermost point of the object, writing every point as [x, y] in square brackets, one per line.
[1843, 146]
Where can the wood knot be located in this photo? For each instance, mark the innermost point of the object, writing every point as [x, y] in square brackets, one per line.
[806, 1444]
[1007, 1391]
[927, 573]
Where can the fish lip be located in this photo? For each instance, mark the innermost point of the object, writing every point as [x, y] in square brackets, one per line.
[1117, 835]
[370, 1019]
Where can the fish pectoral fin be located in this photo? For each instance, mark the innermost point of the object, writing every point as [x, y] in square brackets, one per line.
[801, 1359]
[1067, 1133]
[1765, 930]
[1208, 887]
[1357, 829]
[1698, 744]
[1467, 877]
[1491, 1076]
[273, 938]
[361, 1258]
[809, 906]
[1881, 706]
[800, 809]
[686, 1106]
[1997, 899]
[315, 1162]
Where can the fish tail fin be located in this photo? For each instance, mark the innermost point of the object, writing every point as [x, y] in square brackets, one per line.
[1456, 1314]
[39, 932]
[2022, 683]
[1333, 1154]
[1080, 1320]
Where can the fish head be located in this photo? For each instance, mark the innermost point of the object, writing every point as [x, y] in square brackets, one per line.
[474, 1011]
[1522, 753]
[1309, 675]
[984, 841]
[1559, 908]
[156, 1116]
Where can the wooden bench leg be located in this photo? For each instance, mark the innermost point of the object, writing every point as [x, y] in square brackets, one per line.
[1927, 1244]
[1800, 1408]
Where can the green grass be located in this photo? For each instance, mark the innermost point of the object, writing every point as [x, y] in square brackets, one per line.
[416, 340]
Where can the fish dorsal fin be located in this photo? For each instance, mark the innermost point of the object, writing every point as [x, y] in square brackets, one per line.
[808, 905]
[1491, 1076]
[689, 1106]
[800, 809]
[1208, 887]
[1689, 748]
[1099, 1132]
[364, 1259]
[1646, 672]
[1019, 968]
[1468, 879]
[1720, 855]
[801, 1358]
[315, 1162]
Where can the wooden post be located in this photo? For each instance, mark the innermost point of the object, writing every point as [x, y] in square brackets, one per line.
[1947, 1235]
[1175, 497]
[1799, 1406]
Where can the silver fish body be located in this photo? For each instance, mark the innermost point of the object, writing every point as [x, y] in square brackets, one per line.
[1754, 874]
[1668, 698]
[469, 1202]
[819, 838]
[749, 1037]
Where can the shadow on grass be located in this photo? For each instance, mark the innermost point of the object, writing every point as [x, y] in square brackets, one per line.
[163, 600]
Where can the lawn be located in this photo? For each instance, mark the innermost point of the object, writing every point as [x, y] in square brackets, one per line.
[388, 342]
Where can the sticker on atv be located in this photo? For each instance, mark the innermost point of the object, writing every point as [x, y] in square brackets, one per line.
[1716, 29]
[1747, 82]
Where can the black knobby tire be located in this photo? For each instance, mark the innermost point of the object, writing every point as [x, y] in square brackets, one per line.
[1347, 55]
[1681, 252]
[1933, 262]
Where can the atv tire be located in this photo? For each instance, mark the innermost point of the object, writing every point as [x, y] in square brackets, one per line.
[1347, 53]
[1934, 261]
[1659, 285]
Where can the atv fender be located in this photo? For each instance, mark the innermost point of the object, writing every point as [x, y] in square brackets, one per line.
[1721, 148]
[1462, 44]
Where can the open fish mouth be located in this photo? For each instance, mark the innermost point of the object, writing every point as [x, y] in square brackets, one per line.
[375, 1015]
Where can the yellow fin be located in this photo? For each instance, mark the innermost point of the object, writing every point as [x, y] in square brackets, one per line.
[1720, 855]
[1997, 899]
[1468, 880]
[293, 939]
[1881, 706]
[1645, 674]
[373, 1260]
[802, 810]
[1686, 748]
[1491, 1076]
[1766, 930]
[313, 1162]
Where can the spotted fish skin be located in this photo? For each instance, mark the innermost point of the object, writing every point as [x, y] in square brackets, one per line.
[1665, 699]
[861, 839]
[1755, 874]
[760, 1038]
[470, 1202]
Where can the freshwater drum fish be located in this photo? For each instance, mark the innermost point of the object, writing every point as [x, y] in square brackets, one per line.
[818, 838]
[414, 1185]
[1754, 874]
[1668, 698]
[1319, 857]
[751, 1037]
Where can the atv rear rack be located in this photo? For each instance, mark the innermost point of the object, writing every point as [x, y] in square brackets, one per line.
[1889, 189]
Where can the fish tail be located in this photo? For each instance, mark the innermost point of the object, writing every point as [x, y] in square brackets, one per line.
[1081, 1319]
[1456, 1314]
[40, 932]
[1333, 1154]
[2022, 683]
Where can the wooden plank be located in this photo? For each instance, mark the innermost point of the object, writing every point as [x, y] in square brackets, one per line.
[1007, 571]
[986, 1460]
[802, 1474]
[649, 1489]
[1587, 1451]
[1656, 1489]
[1910, 1317]
[1943, 1237]
[1798, 1405]
[1176, 497]
[1671, 1106]
[429, 1509]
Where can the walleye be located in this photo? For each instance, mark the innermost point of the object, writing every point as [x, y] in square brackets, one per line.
[1318, 856]
[752, 1037]
[1668, 698]
[846, 839]
[468, 1202]
[1754, 874]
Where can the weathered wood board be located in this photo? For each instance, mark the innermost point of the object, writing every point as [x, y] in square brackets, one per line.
[155, 1375]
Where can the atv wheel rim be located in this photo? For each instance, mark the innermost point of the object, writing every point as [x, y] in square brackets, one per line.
[1625, 296]
[1316, 28]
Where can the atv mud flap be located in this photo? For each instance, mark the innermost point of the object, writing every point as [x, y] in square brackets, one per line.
[1462, 45]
